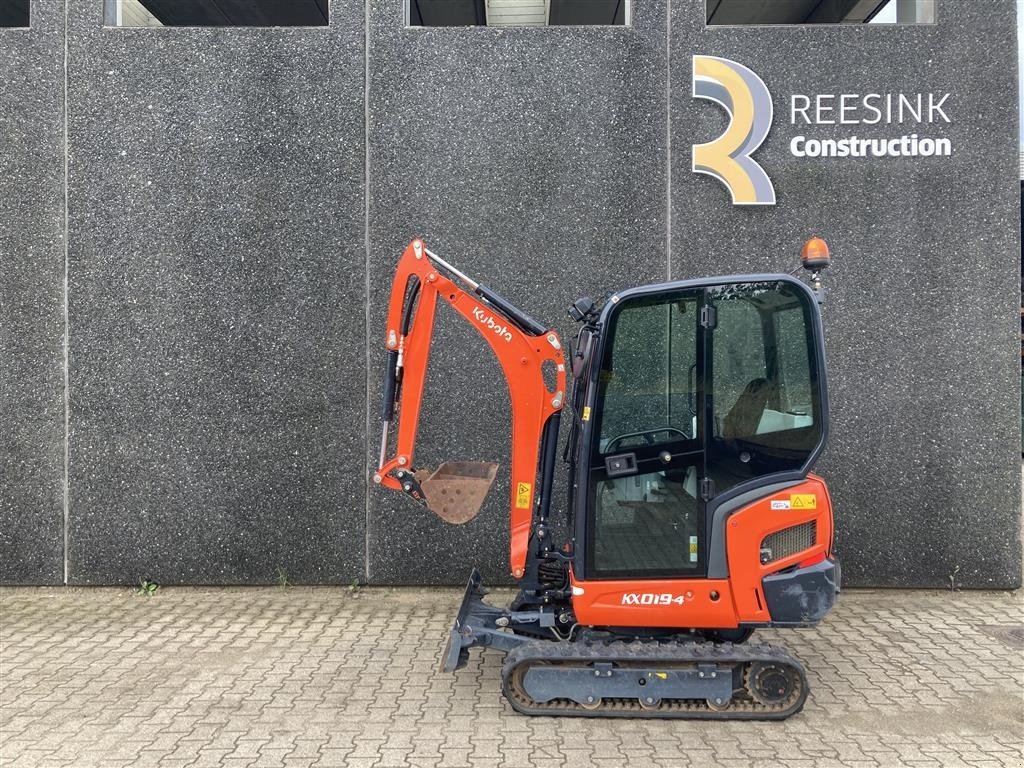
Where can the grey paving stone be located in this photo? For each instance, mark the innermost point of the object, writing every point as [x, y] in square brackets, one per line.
[100, 678]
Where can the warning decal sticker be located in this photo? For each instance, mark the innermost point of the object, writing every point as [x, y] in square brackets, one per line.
[804, 501]
[523, 495]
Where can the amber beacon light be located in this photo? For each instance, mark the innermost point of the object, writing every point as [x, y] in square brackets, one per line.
[815, 257]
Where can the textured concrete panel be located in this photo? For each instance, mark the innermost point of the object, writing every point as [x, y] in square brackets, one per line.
[32, 299]
[922, 300]
[534, 159]
[217, 302]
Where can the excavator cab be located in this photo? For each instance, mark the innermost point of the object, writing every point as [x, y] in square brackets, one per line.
[694, 396]
[698, 411]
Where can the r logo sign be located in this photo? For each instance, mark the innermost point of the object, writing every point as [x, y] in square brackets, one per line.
[746, 98]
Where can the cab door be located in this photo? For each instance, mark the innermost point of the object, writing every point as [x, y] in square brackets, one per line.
[645, 512]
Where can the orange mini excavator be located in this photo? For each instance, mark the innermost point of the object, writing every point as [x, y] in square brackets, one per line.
[699, 408]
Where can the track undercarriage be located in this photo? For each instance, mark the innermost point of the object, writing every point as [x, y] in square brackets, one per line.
[598, 675]
[654, 679]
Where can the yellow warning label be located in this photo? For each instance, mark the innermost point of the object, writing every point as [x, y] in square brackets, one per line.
[586, 413]
[523, 495]
[803, 501]
[693, 547]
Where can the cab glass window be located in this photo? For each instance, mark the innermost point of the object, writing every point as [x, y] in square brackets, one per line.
[649, 376]
[765, 391]
[648, 520]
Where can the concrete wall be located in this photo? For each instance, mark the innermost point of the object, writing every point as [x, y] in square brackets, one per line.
[32, 296]
[229, 257]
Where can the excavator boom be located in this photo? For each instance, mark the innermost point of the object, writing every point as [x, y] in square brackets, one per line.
[524, 349]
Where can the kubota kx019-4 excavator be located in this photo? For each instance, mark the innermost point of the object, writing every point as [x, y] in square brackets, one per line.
[699, 408]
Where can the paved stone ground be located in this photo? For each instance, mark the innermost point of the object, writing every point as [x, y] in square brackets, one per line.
[335, 677]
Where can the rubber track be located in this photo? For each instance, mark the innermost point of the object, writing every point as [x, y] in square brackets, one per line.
[667, 655]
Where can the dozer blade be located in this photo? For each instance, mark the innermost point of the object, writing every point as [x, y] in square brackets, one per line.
[455, 653]
[476, 624]
[456, 491]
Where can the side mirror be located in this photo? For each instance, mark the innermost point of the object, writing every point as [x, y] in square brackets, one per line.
[583, 310]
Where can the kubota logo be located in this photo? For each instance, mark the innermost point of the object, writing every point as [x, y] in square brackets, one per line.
[488, 321]
[746, 98]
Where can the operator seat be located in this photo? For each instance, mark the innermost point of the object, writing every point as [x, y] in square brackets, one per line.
[746, 413]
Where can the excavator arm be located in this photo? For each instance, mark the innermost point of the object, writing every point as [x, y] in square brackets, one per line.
[525, 349]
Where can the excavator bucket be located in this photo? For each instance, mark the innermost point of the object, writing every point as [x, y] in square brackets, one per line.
[456, 490]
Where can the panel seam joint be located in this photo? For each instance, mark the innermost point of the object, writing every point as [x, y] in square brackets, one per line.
[67, 323]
